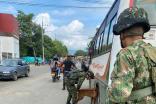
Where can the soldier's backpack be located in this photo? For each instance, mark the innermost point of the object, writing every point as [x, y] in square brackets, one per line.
[150, 54]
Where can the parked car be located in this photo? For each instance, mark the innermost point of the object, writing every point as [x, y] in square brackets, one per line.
[14, 68]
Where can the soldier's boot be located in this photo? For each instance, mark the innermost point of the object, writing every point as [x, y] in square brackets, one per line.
[68, 102]
[63, 85]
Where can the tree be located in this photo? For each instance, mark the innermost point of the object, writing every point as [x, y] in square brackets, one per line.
[60, 49]
[48, 47]
[25, 40]
[31, 39]
[80, 53]
[37, 39]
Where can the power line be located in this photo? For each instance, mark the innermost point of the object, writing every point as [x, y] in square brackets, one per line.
[54, 5]
[95, 2]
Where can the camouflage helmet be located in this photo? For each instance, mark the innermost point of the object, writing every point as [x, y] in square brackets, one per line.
[131, 17]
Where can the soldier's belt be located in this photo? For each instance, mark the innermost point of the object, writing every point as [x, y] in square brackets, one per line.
[140, 93]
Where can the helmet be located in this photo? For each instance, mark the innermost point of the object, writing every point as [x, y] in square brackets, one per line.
[131, 17]
[55, 58]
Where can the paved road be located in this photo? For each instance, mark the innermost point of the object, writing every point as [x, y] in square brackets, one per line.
[36, 89]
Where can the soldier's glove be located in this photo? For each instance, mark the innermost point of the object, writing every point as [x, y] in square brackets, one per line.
[90, 75]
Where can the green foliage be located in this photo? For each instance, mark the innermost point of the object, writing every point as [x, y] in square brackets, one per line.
[31, 39]
[25, 25]
[60, 49]
[37, 39]
[80, 53]
[48, 47]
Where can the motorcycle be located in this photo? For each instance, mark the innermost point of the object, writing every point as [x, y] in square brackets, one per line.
[55, 75]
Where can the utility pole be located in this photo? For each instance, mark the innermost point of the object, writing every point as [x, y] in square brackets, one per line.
[42, 42]
[55, 36]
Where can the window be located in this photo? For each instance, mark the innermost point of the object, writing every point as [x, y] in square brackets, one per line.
[150, 7]
[98, 44]
[104, 45]
[102, 36]
[24, 63]
[15, 55]
[94, 47]
[20, 62]
[9, 55]
[110, 38]
[4, 55]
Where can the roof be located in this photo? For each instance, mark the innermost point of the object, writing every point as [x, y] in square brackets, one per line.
[9, 25]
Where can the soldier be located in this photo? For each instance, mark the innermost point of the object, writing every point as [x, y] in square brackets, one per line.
[76, 77]
[68, 65]
[131, 77]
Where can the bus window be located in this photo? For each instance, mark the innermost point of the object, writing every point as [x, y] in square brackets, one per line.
[98, 44]
[150, 7]
[110, 39]
[95, 47]
[99, 49]
[102, 35]
[104, 45]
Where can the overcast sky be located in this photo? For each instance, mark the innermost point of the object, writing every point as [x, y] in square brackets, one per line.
[73, 26]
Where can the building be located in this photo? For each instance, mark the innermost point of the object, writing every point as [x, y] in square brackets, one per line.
[9, 37]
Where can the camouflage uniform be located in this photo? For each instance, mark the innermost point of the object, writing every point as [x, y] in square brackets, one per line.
[76, 77]
[131, 73]
[131, 70]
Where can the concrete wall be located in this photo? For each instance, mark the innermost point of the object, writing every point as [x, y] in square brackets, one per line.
[9, 47]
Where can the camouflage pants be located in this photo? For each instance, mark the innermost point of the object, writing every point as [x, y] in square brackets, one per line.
[72, 94]
[64, 78]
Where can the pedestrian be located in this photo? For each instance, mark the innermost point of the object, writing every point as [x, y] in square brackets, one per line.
[131, 76]
[68, 65]
[58, 68]
[76, 77]
[38, 64]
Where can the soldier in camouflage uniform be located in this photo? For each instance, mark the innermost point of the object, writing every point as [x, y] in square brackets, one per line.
[76, 77]
[131, 78]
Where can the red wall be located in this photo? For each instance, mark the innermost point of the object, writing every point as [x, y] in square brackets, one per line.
[8, 24]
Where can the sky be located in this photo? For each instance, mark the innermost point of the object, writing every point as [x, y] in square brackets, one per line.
[73, 22]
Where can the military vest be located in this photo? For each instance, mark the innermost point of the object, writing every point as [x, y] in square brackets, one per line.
[150, 54]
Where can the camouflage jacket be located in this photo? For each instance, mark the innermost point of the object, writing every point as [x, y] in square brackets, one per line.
[130, 73]
[75, 77]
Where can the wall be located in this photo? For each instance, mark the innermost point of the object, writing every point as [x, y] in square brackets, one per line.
[9, 47]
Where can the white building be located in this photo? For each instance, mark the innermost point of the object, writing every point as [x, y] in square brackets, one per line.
[9, 37]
